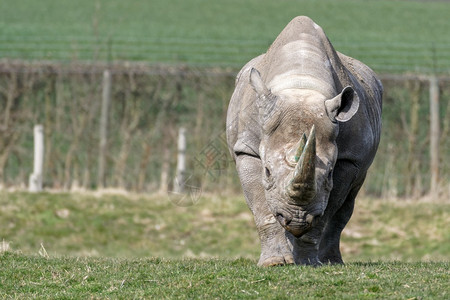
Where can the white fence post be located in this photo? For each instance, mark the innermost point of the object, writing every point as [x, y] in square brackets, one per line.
[181, 162]
[35, 183]
[434, 135]
[106, 101]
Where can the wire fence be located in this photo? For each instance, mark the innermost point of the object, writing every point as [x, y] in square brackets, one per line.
[150, 103]
[382, 57]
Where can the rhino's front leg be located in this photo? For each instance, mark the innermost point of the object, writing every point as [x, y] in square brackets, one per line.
[275, 249]
[314, 247]
[321, 243]
[330, 244]
[306, 248]
[343, 210]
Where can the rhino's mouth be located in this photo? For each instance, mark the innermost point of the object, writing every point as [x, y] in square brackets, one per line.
[297, 224]
[298, 229]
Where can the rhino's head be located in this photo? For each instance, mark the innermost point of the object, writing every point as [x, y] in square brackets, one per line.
[298, 150]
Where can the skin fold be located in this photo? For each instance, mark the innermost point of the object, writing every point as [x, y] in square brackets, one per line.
[303, 127]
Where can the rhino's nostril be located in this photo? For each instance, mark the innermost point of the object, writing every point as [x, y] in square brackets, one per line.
[313, 218]
[309, 219]
[284, 220]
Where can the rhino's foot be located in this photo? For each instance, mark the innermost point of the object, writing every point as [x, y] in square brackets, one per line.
[275, 249]
[276, 261]
[314, 262]
[332, 260]
[330, 254]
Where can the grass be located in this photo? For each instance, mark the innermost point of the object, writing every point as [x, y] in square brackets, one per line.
[61, 245]
[29, 277]
[387, 35]
[118, 226]
[108, 225]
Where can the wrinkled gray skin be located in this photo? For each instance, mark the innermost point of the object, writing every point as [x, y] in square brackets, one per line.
[303, 127]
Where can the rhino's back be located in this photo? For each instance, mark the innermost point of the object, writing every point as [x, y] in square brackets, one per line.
[303, 55]
[335, 72]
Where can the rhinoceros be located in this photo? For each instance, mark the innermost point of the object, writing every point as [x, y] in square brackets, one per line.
[303, 127]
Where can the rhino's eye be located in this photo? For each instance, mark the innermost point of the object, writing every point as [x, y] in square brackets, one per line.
[267, 173]
[330, 175]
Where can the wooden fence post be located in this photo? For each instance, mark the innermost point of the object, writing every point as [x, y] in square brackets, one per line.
[434, 135]
[106, 101]
[181, 162]
[35, 182]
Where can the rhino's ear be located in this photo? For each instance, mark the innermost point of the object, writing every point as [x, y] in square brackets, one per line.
[257, 83]
[266, 101]
[344, 106]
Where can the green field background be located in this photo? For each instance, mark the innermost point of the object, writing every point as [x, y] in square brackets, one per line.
[389, 36]
[173, 65]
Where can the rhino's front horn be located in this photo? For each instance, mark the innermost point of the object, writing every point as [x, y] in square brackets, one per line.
[302, 187]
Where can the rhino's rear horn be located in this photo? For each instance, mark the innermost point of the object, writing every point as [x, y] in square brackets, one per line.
[302, 187]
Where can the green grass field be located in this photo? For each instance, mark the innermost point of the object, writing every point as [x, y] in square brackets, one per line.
[103, 278]
[217, 226]
[389, 36]
[114, 246]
